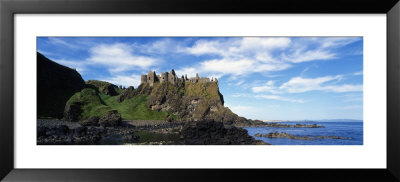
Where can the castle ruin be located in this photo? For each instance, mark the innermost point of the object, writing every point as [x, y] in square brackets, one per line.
[171, 77]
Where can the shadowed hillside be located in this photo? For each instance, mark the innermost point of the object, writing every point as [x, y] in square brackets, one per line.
[55, 85]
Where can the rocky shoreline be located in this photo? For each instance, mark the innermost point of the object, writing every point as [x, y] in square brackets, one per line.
[60, 132]
[294, 137]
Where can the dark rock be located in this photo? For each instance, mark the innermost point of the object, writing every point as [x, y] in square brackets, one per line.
[282, 135]
[127, 94]
[131, 138]
[143, 89]
[55, 85]
[80, 131]
[215, 133]
[73, 111]
[58, 130]
[102, 86]
[91, 121]
[112, 118]
[169, 118]
[41, 131]
[109, 90]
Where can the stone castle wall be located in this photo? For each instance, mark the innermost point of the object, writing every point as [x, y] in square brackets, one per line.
[171, 77]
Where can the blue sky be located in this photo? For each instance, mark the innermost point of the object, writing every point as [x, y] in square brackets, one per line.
[267, 78]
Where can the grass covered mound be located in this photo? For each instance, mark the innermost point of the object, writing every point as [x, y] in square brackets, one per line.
[92, 102]
[104, 87]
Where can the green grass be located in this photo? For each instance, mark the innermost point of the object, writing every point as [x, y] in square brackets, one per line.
[92, 103]
[98, 104]
[134, 108]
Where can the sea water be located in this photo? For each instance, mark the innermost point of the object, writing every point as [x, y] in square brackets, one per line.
[353, 130]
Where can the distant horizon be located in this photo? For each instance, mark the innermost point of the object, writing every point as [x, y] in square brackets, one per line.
[260, 78]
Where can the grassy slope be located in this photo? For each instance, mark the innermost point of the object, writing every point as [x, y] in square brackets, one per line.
[98, 104]
[134, 108]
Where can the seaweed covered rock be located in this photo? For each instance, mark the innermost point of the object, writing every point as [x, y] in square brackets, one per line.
[91, 121]
[126, 94]
[103, 87]
[282, 135]
[85, 104]
[55, 85]
[112, 118]
[73, 111]
[215, 133]
[143, 89]
[166, 97]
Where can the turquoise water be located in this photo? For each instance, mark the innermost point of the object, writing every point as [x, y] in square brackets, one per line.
[354, 130]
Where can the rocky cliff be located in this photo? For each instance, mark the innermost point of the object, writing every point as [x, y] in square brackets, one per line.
[193, 102]
[55, 85]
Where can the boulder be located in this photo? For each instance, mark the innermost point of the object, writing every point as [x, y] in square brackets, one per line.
[282, 135]
[127, 94]
[91, 121]
[102, 86]
[112, 118]
[109, 90]
[80, 131]
[57, 131]
[72, 111]
[215, 133]
[41, 131]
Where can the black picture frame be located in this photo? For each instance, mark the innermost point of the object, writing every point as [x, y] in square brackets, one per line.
[8, 8]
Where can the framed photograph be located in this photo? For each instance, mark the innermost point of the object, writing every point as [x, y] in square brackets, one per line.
[105, 91]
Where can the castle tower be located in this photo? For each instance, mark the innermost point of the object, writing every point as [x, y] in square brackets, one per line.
[172, 77]
[197, 77]
[164, 77]
[143, 79]
[152, 78]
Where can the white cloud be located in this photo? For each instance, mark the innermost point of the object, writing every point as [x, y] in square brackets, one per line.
[268, 87]
[239, 107]
[80, 66]
[119, 57]
[300, 85]
[190, 72]
[358, 73]
[349, 107]
[337, 41]
[241, 95]
[310, 55]
[343, 88]
[162, 46]
[314, 49]
[131, 80]
[239, 82]
[59, 41]
[241, 56]
[238, 56]
[280, 98]
[270, 97]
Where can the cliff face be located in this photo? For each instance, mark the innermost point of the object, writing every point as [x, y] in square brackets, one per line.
[192, 102]
[55, 85]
